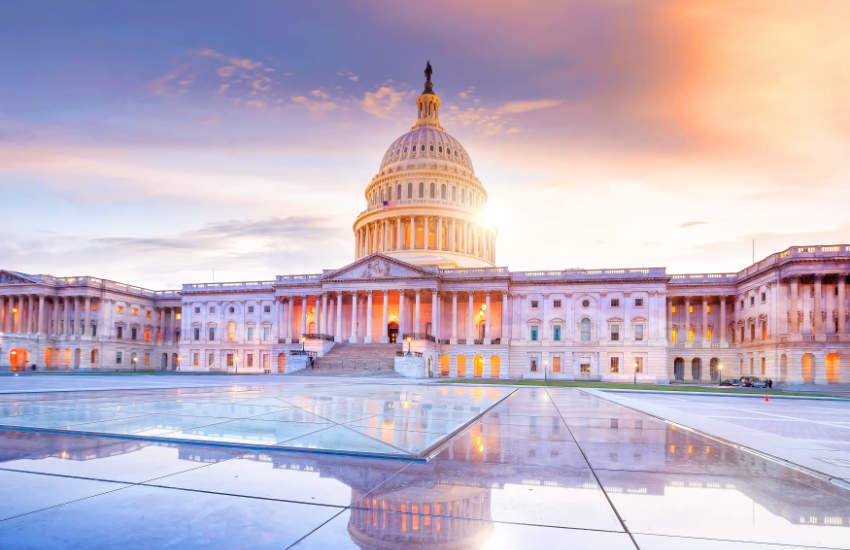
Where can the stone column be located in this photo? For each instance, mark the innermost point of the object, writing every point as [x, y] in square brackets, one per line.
[687, 319]
[818, 306]
[842, 308]
[303, 316]
[670, 320]
[504, 336]
[412, 231]
[69, 327]
[439, 238]
[704, 320]
[454, 318]
[434, 317]
[487, 318]
[172, 329]
[417, 329]
[41, 324]
[290, 312]
[451, 235]
[338, 318]
[162, 334]
[55, 331]
[470, 325]
[722, 305]
[23, 315]
[353, 337]
[385, 336]
[325, 313]
[425, 233]
[401, 327]
[398, 233]
[3, 314]
[368, 248]
[368, 337]
[795, 312]
[86, 331]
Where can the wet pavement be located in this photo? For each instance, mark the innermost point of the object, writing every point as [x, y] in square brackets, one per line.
[544, 468]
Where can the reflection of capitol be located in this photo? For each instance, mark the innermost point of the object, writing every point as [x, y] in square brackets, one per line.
[429, 504]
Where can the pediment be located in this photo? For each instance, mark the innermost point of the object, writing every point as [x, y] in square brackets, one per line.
[13, 277]
[377, 266]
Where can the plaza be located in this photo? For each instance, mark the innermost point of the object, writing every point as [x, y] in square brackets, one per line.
[410, 465]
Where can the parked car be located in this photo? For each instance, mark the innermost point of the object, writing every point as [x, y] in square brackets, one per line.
[730, 382]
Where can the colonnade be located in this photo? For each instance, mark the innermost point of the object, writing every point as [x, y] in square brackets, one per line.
[703, 332]
[820, 311]
[426, 233]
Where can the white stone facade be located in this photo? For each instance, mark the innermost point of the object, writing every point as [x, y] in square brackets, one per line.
[424, 269]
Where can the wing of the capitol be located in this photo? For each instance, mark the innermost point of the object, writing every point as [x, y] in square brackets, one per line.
[424, 295]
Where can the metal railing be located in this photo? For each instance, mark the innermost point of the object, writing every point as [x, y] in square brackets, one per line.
[318, 336]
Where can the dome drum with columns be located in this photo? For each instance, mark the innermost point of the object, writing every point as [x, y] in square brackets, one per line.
[424, 204]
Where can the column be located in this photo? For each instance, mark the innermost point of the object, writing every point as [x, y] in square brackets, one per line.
[290, 327]
[722, 305]
[439, 233]
[470, 334]
[40, 327]
[425, 233]
[398, 240]
[325, 313]
[368, 337]
[68, 326]
[353, 337]
[23, 304]
[818, 306]
[401, 319]
[368, 248]
[842, 308]
[795, 313]
[504, 336]
[86, 330]
[434, 312]
[385, 336]
[55, 330]
[454, 318]
[451, 235]
[687, 319]
[172, 329]
[303, 316]
[412, 229]
[3, 314]
[338, 318]
[417, 330]
[704, 320]
[487, 318]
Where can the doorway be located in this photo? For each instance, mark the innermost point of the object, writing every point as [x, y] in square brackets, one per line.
[392, 332]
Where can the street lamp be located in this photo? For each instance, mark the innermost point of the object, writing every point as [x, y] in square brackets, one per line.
[409, 339]
[303, 339]
[720, 374]
[545, 369]
[236, 363]
[635, 372]
[134, 363]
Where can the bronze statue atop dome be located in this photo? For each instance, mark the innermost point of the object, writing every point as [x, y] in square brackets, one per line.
[429, 89]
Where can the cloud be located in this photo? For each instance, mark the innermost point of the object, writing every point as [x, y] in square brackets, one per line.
[240, 62]
[316, 106]
[382, 102]
[693, 223]
[349, 75]
[514, 107]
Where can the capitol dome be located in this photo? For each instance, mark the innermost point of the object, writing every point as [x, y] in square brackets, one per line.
[424, 204]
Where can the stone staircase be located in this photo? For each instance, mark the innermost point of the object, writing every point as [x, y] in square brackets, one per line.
[346, 359]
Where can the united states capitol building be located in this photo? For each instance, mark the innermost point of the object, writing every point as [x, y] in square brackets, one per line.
[424, 296]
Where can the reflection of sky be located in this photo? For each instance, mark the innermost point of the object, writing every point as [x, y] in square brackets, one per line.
[246, 136]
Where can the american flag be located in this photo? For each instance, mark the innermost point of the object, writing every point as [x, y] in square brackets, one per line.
[388, 204]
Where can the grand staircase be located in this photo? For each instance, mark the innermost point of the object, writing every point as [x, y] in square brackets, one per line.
[346, 359]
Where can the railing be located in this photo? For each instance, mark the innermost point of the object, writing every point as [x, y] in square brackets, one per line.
[309, 278]
[467, 271]
[421, 336]
[496, 341]
[408, 353]
[318, 336]
[579, 274]
[265, 285]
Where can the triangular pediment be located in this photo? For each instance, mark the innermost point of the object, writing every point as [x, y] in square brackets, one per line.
[377, 266]
[14, 277]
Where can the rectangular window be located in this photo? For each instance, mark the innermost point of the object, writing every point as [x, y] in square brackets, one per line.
[119, 332]
[638, 333]
[557, 333]
[556, 303]
[120, 309]
[250, 309]
[212, 309]
[763, 297]
[674, 335]
[690, 309]
[267, 334]
[615, 332]
[638, 302]
[534, 304]
[147, 359]
[197, 309]
[708, 335]
[763, 367]
[533, 333]
[615, 302]
[196, 333]
[211, 359]
[267, 309]
[556, 363]
[249, 360]
[94, 330]
[691, 335]
[133, 333]
[673, 309]
[118, 357]
[250, 333]
[584, 368]
[148, 313]
[134, 311]
[638, 364]
[752, 300]
[196, 358]
[615, 365]
[229, 360]
[212, 334]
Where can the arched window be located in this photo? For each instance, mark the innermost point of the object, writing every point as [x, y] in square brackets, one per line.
[432, 190]
[443, 191]
[410, 190]
[585, 330]
[463, 196]
[398, 192]
[454, 193]
[421, 188]
[231, 331]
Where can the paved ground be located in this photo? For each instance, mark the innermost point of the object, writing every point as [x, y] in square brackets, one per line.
[814, 433]
[556, 468]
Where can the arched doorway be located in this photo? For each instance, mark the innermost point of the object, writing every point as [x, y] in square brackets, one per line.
[392, 332]
[461, 365]
[783, 367]
[833, 368]
[495, 366]
[18, 359]
[481, 330]
[678, 369]
[281, 363]
[808, 368]
[164, 364]
[48, 357]
[77, 357]
[445, 360]
[94, 357]
[478, 366]
[713, 371]
[696, 368]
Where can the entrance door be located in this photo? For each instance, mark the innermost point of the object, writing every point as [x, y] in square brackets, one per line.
[679, 369]
[392, 332]
[18, 359]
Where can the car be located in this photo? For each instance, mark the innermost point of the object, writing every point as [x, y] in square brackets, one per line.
[730, 382]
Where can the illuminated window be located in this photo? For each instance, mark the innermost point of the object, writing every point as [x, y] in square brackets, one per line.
[249, 360]
[134, 311]
[231, 331]
[615, 365]
[690, 309]
[672, 309]
[211, 359]
[638, 364]
[556, 364]
[196, 359]
[708, 335]
[147, 335]
[120, 309]
[229, 360]
[584, 368]
[763, 366]
[708, 309]
[674, 335]
[691, 335]
[147, 359]
[148, 313]
[94, 307]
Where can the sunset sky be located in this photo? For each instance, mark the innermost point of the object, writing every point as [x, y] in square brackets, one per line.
[155, 142]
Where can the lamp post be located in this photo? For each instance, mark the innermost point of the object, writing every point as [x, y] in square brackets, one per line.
[635, 374]
[134, 363]
[303, 340]
[409, 339]
[236, 362]
[545, 370]
[720, 374]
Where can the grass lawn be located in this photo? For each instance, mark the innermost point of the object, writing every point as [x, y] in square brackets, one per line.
[625, 386]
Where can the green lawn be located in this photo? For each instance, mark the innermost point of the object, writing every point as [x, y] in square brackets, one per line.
[626, 386]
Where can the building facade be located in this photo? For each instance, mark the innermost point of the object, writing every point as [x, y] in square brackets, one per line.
[424, 270]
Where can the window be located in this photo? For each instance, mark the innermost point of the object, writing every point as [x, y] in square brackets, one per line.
[119, 332]
[763, 367]
[211, 359]
[196, 359]
[212, 309]
[454, 194]
[196, 333]
[584, 368]
[691, 335]
[585, 330]
[147, 359]
[421, 188]
[556, 363]
[556, 303]
[120, 309]
[250, 309]
[134, 311]
[147, 335]
[443, 191]
[763, 297]
[638, 302]
[267, 333]
[249, 360]
[133, 333]
[615, 332]
[534, 304]
[229, 359]
[673, 309]
[752, 300]
[708, 334]
[409, 190]
[231, 331]
[267, 308]
[148, 313]
[211, 334]
[197, 309]
[742, 304]
[690, 309]
[533, 333]
[250, 333]
[118, 357]
[615, 302]
[674, 335]
[638, 333]
[556, 333]
[638, 364]
[615, 365]
[534, 365]
[585, 303]
[94, 329]
[231, 309]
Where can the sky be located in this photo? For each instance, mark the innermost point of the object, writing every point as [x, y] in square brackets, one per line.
[162, 143]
